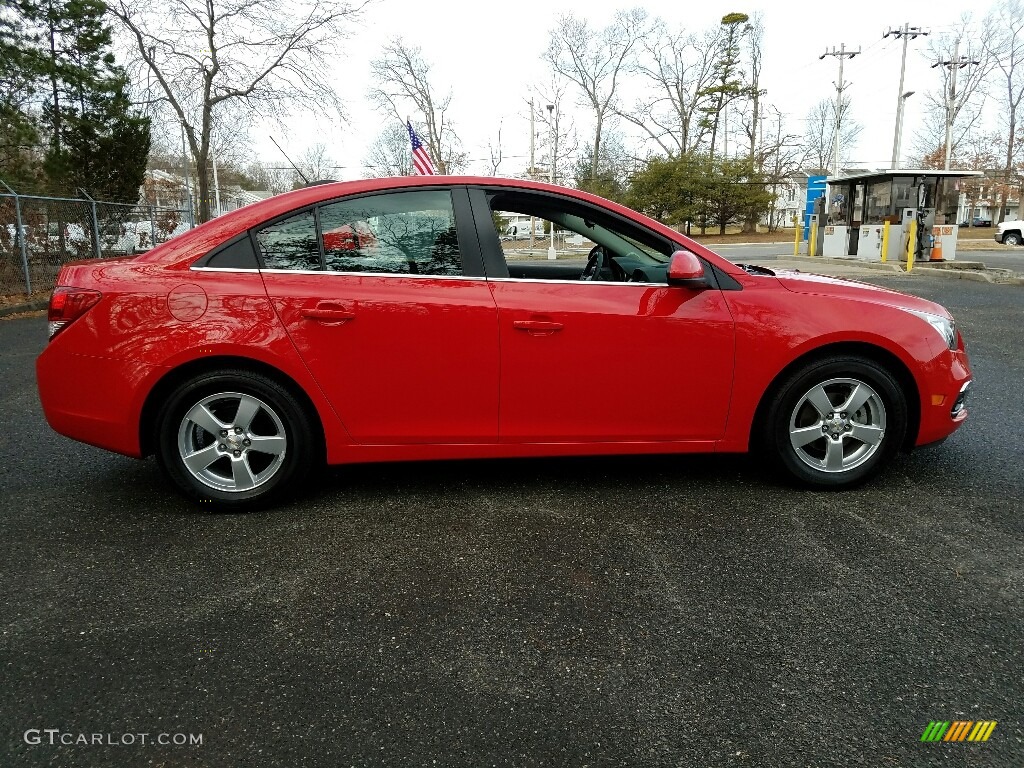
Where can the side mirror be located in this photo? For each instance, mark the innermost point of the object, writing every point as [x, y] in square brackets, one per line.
[686, 271]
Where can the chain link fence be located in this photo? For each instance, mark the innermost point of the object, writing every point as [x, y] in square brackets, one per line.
[38, 235]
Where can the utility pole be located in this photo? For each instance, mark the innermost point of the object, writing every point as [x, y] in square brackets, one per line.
[957, 63]
[533, 171]
[842, 54]
[533, 136]
[906, 34]
[216, 183]
[188, 188]
[551, 173]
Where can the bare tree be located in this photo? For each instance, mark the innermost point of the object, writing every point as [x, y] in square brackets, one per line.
[556, 127]
[595, 60]
[403, 84]
[965, 106]
[316, 164]
[820, 132]
[270, 178]
[494, 153]
[1003, 39]
[205, 55]
[677, 70]
[781, 154]
[391, 153]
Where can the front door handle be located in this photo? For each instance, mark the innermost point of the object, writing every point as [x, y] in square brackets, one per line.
[329, 312]
[536, 326]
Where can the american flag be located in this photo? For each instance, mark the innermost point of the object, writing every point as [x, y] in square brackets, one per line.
[420, 159]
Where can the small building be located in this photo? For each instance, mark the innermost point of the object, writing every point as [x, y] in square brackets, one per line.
[923, 201]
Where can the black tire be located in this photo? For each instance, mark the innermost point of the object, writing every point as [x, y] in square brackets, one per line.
[271, 467]
[867, 438]
[1012, 238]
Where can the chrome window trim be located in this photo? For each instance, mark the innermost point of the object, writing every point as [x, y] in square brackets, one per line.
[326, 272]
[224, 269]
[571, 282]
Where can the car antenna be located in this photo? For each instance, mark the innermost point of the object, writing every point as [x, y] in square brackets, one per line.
[293, 165]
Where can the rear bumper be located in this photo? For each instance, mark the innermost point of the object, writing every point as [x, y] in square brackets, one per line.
[91, 399]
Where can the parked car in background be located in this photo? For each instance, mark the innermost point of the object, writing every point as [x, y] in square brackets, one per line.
[1010, 232]
[520, 230]
[977, 221]
[247, 351]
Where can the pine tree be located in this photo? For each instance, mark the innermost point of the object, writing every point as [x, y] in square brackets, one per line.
[728, 84]
[96, 141]
[19, 134]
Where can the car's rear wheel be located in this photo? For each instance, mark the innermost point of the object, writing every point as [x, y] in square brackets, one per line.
[836, 422]
[235, 439]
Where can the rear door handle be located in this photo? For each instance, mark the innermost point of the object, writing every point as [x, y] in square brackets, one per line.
[329, 312]
[536, 326]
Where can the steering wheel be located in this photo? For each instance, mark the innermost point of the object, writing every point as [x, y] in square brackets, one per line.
[595, 263]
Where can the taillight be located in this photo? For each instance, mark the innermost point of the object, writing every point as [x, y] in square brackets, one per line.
[68, 304]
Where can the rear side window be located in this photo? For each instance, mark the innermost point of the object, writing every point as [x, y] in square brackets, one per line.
[290, 243]
[236, 255]
[409, 233]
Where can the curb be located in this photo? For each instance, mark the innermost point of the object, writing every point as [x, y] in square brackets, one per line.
[28, 306]
[957, 274]
[884, 266]
[978, 277]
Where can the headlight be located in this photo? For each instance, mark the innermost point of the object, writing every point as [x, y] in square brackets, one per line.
[944, 325]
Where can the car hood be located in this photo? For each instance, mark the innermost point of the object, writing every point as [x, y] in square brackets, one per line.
[801, 282]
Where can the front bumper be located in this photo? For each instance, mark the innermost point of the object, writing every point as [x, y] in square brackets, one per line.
[998, 237]
[944, 392]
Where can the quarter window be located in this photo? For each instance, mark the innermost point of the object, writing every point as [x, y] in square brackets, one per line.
[399, 233]
[290, 243]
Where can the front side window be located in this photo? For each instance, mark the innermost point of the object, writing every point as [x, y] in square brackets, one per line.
[290, 243]
[582, 238]
[411, 233]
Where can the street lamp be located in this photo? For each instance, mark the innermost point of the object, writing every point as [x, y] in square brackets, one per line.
[899, 126]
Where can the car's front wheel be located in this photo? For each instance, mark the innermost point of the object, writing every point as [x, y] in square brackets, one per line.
[1012, 238]
[237, 439]
[836, 422]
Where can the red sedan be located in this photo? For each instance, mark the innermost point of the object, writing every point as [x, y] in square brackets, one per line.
[248, 350]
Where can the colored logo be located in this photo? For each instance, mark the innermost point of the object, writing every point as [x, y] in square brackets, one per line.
[958, 730]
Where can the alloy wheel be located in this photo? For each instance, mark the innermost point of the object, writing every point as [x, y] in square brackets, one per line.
[232, 442]
[837, 425]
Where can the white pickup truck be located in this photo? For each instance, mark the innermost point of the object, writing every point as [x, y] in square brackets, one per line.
[1010, 233]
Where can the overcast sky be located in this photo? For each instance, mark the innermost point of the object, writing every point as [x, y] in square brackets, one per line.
[489, 53]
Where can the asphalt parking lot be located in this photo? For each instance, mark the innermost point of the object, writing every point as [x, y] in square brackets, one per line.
[643, 612]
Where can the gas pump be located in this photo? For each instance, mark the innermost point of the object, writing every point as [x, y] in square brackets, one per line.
[818, 218]
[908, 216]
[836, 232]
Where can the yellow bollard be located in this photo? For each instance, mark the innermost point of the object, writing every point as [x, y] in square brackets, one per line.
[797, 235]
[885, 242]
[911, 245]
[812, 242]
